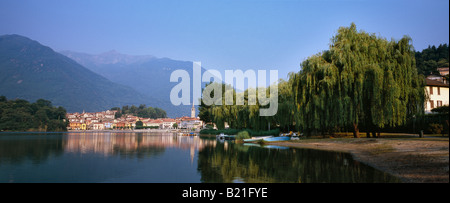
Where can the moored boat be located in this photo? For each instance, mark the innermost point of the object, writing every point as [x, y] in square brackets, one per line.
[255, 139]
[275, 139]
[189, 134]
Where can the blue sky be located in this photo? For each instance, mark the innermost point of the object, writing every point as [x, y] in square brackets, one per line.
[222, 34]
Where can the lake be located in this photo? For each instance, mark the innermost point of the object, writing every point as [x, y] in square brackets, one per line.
[152, 157]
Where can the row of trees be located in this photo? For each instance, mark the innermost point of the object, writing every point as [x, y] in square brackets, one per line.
[236, 116]
[362, 81]
[21, 115]
[140, 111]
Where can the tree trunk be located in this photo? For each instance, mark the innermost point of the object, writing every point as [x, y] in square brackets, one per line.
[355, 130]
[374, 134]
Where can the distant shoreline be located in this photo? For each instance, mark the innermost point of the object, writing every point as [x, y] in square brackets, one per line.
[139, 130]
[81, 131]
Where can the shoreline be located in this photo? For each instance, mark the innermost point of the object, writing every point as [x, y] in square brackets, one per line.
[413, 160]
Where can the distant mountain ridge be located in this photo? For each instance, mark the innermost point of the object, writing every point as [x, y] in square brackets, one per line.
[147, 74]
[110, 57]
[30, 71]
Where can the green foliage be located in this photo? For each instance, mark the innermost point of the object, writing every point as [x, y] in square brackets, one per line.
[431, 58]
[141, 111]
[362, 79]
[230, 131]
[241, 116]
[442, 109]
[242, 135]
[20, 115]
[139, 124]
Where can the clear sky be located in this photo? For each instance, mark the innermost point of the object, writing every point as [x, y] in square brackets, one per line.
[222, 34]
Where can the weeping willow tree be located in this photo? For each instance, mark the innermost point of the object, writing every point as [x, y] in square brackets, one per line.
[361, 79]
[285, 117]
[317, 96]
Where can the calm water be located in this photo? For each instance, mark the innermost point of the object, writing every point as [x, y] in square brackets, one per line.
[167, 158]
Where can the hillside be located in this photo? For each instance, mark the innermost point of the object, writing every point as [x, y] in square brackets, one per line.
[30, 71]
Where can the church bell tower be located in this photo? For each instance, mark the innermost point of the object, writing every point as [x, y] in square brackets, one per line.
[193, 111]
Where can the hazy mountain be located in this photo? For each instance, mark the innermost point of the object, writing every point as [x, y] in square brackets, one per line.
[147, 74]
[110, 57]
[29, 70]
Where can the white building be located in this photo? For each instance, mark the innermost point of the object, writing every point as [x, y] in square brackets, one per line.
[190, 123]
[438, 94]
[98, 126]
[168, 123]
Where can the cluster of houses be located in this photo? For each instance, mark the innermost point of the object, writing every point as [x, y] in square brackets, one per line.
[106, 120]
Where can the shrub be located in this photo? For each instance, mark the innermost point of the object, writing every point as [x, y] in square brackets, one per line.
[442, 109]
[242, 135]
[435, 128]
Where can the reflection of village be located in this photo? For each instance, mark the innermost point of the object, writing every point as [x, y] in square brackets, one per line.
[110, 143]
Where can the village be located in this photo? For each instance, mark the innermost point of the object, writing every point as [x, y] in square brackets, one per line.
[106, 120]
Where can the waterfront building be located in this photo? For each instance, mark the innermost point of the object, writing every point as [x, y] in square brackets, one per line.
[98, 126]
[191, 123]
[438, 93]
[108, 125]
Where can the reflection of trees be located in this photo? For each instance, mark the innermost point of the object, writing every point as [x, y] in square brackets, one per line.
[255, 164]
[16, 148]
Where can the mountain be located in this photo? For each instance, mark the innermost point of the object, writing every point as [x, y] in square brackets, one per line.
[110, 57]
[30, 71]
[147, 74]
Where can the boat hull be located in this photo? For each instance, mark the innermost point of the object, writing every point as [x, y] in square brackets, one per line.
[276, 139]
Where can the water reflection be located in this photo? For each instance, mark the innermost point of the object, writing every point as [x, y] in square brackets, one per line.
[271, 164]
[131, 145]
[15, 147]
[158, 157]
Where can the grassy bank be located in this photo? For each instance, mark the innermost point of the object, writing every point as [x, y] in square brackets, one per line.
[230, 131]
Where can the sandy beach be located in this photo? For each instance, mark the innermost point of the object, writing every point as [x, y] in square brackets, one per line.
[413, 160]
